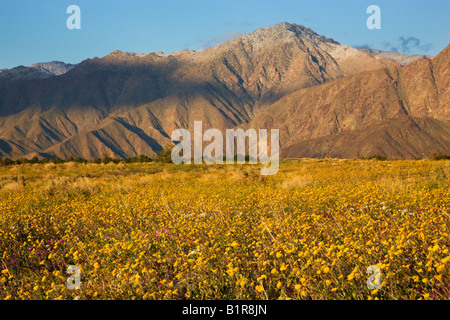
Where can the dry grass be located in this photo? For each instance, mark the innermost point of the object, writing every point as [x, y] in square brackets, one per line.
[70, 186]
[14, 186]
[296, 180]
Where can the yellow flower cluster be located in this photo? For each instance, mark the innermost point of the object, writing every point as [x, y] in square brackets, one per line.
[160, 231]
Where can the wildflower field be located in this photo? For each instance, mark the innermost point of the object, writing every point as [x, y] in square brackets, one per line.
[161, 231]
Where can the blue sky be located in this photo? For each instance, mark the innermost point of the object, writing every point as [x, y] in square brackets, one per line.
[35, 30]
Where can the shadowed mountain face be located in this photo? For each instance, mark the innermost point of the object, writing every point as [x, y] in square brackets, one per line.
[284, 76]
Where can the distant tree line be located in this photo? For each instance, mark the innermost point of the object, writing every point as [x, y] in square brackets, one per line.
[440, 156]
[434, 156]
[163, 156]
[56, 160]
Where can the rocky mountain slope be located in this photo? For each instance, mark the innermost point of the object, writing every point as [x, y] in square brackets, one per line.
[284, 76]
[127, 104]
[35, 71]
[400, 58]
[54, 68]
[393, 111]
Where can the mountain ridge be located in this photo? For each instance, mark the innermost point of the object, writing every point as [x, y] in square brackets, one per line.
[414, 98]
[400, 58]
[127, 104]
[35, 71]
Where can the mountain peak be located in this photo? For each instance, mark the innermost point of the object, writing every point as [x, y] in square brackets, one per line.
[275, 36]
[288, 31]
[53, 68]
[287, 27]
[35, 71]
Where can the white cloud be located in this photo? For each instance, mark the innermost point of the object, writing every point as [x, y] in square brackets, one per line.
[228, 35]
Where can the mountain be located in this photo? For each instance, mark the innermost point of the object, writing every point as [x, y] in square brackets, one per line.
[400, 58]
[36, 71]
[127, 104]
[284, 76]
[21, 73]
[54, 68]
[399, 112]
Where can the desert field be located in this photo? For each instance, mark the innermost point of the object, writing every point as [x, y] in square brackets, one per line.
[161, 231]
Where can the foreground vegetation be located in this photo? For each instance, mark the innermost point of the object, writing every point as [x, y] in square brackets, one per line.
[160, 231]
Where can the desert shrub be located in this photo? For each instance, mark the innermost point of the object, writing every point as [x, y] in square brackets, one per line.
[440, 156]
[70, 186]
[165, 155]
[375, 157]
